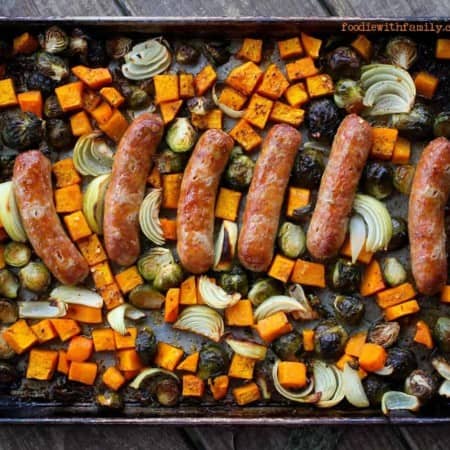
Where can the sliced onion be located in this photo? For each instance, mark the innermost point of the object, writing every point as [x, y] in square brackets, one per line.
[377, 219]
[150, 373]
[274, 304]
[304, 396]
[357, 228]
[248, 349]
[225, 246]
[149, 217]
[353, 388]
[306, 312]
[77, 296]
[315, 145]
[116, 317]
[324, 380]
[94, 200]
[92, 156]
[201, 320]
[339, 393]
[9, 214]
[444, 390]
[386, 371]
[41, 309]
[442, 367]
[230, 112]
[397, 400]
[214, 296]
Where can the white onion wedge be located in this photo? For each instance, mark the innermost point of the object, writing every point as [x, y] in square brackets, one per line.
[94, 200]
[248, 349]
[77, 296]
[324, 380]
[9, 214]
[306, 311]
[338, 395]
[353, 388]
[444, 389]
[225, 246]
[214, 296]
[149, 373]
[358, 234]
[116, 317]
[442, 367]
[41, 309]
[397, 400]
[149, 217]
[92, 156]
[276, 304]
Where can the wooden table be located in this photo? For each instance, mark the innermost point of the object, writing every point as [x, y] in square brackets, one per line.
[135, 437]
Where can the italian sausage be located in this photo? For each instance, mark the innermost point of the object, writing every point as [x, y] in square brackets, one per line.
[195, 214]
[265, 197]
[34, 195]
[126, 189]
[426, 226]
[349, 153]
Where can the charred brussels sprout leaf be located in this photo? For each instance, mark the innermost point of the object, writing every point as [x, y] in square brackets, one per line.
[234, 281]
[52, 109]
[308, 169]
[375, 387]
[399, 234]
[7, 158]
[442, 334]
[289, 346]
[329, 340]
[146, 345]
[378, 180]
[343, 62]
[349, 309]
[402, 361]
[186, 54]
[37, 81]
[322, 119]
[418, 123]
[213, 361]
[21, 130]
[59, 134]
[345, 276]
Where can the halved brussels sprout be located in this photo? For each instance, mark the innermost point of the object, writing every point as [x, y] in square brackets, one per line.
[402, 51]
[289, 347]
[17, 254]
[200, 105]
[421, 384]
[78, 43]
[322, 118]
[402, 361]
[375, 387]
[348, 95]
[393, 271]
[9, 285]
[118, 47]
[8, 311]
[52, 66]
[54, 40]
[442, 333]
[6, 352]
[213, 361]
[399, 234]
[343, 62]
[291, 240]
[349, 309]
[151, 262]
[345, 276]
[168, 276]
[52, 108]
[170, 162]
[146, 345]
[21, 130]
[263, 289]
[403, 178]
[239, 172]
[329, 339]
[59, 134]
[384, 333]
[186, 54]
[216, 52]
[145, 296]
[418, 123]
[234, 281]
[378, 180]
[181, 136]
[308, 169]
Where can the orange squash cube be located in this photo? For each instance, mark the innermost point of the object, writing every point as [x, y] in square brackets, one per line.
[296, 95]
[245, 135]
[302, 68]
[297, 198]
[281, 268]
[273, 83]
[258, 111]
[251, 50]
[204, 80]
[244, 78]
[77, 226]
[290, 48]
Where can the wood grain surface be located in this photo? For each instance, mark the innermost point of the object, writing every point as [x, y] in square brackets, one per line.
[246, 438]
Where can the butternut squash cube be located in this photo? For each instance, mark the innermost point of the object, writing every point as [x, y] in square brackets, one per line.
[212, 119]
[188, 291]
[204, 80]
[68, 199]
[442, 49]
[166, 87]
[168, 356]
[111, 295]
[363, 46]
[319, 85]
[273, 83]
[187, 89]
[296, 95]
[65, 173]
[227, 205]
[311, 45]
[251, 50]
[80, 124]
[241, 367]
[112, 96]
[245, 135]
[290, 48]
[92, 250]
[42, 364]
[113, 378]
[384, 140]
[244, 78]
[70, 96]
[44, 331]
[297, 198]
[308, 273]
[281, 268]
[169, 110]
[102, 275]
[258, 111]
[302, 68]
[249, 393]
[128, 279]
[193, 386]
[171, 190]
[292, 375]
[232, 98]
[66, 328]
[116, 126]
[240, 314]
[77, 226]
[283, 113]
[20, 337]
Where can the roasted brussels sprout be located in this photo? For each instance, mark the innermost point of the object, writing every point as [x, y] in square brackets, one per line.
[375, 387]
[349, 309]
[35, 277]
[213, 361]
[170, 162]
[442, 334]
[421, 384]
[402, 51]
[145, 297]
[151, 262]
[200, 105]
[263, 289]
[168, 276]
[186, 54]
[78, 43]
[308, 169]
[52, 66]
[384, 334]
[216, 52]
[8, 311]
[441, 126]
[21, 130]
[7, 158]
[167, 390]
[343, 62]
[118, 47]
[291, 240]
[54, 40]
[348, 95]
[59, 134]
[8, 373]
[399, 234]
[393, 271]
[109, 399]
[234, 281]
[136, 98]
[378, 180]
[6, 352]
[96, 53]
[146, 345]
[9, 284]
[416, 124]
[329, 339]
[402, 361]
[17, 254]
[322, 118]
[345, 276]
[37, 81]
[181, 136]
[239, 172]
[403, 178]
[52, 109]
[289, 346]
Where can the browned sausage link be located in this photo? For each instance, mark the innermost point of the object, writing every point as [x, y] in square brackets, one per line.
[126, 190]
[426, 226]
[195, 214]
[265, 197]
[349, 152]
[34, 195]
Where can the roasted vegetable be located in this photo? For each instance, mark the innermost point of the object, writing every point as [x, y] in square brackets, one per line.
[59, 135]
[239, 171]
[52, 66]
[216, 52]
[234, 281]
[35, 277]
[17, 254]
[378, 180]
[186, 54]
[322, 119]
[343, 62]
[308, 169]
[375, 387]
[403, 177]
[9, 284]
[52, 108]
[96, 53]
[421, 384]
[441, 333]
[78, 43]
[416, 124]
[213, 361]
[349, 309]
[8, 312]
[146, 345]
[329, 339]
[263, 289]
[170, 162]
[402, 361]
[21, 130]
[6, 352]
[402, 51]
[291, 240]
[393, 271]
[168, 276]
[441, 126]
[399, 234]
[289, 347]
[151, 262]
[384, 334]
[181, 136]
[348, 95]
[7, 158]
[54, 40]
[167, 390]
[345, 276]
[37, 81]
[145, 297]
[109, 399]
[118, 47]
[200, 105]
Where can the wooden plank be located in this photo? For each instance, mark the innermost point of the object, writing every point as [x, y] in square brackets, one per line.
[388, 8]
[427, 437]
[372, 438]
